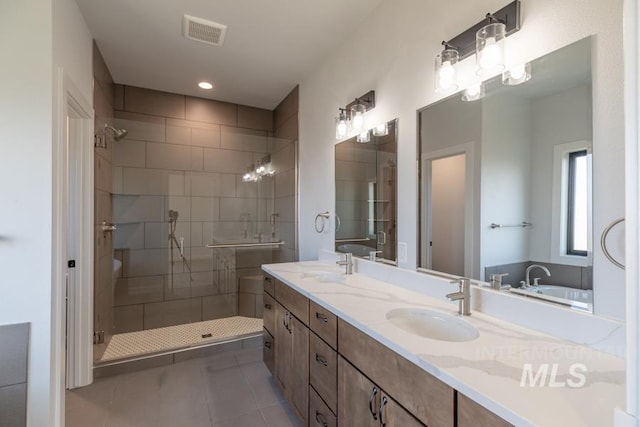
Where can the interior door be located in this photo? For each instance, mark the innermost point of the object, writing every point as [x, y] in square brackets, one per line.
[447, 207]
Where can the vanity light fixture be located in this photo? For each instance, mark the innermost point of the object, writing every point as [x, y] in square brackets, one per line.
[342, 124]
[357, 112]
[381, 130]
[445, 71]
[257, 170]
[517, 75]
[473, 92]
[364, 137]
[351, 119]
[485, 39]
[490, 47]
[205, 85]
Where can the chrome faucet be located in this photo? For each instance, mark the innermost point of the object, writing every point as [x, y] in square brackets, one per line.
[527, 281]
[373, 255]
[496, 281]
[347, 262]
[463, 296]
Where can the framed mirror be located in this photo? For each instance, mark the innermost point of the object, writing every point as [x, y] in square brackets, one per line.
[366, 188]
[505, 181]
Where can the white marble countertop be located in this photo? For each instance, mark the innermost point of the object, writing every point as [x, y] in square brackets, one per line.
[487, 369]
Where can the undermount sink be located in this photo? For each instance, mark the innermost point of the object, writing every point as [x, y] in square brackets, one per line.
[324, 276]
[432, 324]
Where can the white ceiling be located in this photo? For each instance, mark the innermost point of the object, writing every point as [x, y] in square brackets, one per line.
[270, 45]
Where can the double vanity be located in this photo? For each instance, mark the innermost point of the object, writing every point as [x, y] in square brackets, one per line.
[353, 350]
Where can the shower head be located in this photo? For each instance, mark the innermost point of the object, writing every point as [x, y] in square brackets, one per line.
[117, 133]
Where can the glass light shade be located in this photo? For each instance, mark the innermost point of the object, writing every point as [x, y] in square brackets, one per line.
[357, 117]
[381, 130]
[342, 126]
[473, 92]
[517, 75]
[445, 72]
[490, 49]
[364, 137]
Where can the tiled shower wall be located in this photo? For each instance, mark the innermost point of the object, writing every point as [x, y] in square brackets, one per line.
[103, 96]
[14, 360]
[186, 154]
[285, 154]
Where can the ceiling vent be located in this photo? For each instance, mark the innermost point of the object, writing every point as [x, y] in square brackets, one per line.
[203, 31]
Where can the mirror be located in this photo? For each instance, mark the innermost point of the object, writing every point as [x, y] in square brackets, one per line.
[366, 186]
[505, 182]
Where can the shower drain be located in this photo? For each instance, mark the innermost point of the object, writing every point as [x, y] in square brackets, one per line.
[206, 335]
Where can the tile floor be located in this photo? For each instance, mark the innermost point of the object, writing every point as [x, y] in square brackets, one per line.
[232, 389]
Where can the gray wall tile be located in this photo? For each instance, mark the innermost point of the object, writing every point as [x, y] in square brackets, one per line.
[128, 318]
[209, 111]
[14, 341]
[13, 405]
[170, 313]
[147, 101]
[255, 118]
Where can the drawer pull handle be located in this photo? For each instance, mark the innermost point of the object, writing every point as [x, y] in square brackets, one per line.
[321, 360]
[320, 420]
[374, 391]
[382, 405]
[322, 317]
[267, 279]
[268, 344]
[267, 306]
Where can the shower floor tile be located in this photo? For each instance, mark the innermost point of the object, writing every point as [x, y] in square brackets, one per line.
[151, 341]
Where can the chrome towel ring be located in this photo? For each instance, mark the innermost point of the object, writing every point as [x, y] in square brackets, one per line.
[603, 243]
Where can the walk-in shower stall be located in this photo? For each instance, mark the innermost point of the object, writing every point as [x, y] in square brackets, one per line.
[196, 208]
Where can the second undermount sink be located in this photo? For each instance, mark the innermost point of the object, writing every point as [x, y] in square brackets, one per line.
[432, 324]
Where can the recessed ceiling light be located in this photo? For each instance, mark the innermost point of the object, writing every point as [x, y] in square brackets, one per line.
[205, 85]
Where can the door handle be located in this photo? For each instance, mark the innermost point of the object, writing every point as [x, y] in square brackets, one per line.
[374, 391]
[321, 360]
[107, 226]
[322, 317]
[383, 403]
[382, 237]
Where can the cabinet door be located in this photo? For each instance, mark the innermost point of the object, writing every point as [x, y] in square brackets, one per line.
[268, 351]
[298, 385]
[393, 415]
[283, 347]
[471, 414]
[269, 313]
[359, 398]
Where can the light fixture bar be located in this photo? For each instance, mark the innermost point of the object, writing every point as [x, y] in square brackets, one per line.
[465, 42]
[368, 100]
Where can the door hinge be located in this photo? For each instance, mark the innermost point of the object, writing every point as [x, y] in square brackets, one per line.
[98, 337]
[71, 263]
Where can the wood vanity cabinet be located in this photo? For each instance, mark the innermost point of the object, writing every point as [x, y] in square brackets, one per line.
[365, 404]
[428, 399]
[470, 414]
[290, 343]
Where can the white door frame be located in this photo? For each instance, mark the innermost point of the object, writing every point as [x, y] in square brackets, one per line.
[630, 414]
[69, 101]
[468, 150]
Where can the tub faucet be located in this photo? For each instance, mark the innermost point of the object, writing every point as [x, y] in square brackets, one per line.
[463, 296]
[347, 262]
[527, 281]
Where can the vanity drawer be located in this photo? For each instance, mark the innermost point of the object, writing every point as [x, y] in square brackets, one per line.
[470, 414]
[323, 323]
[268, 351]
[430, 400]
[269, 282]
[319, 413]
[269, 313]
[293, 301]
[323, 371]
